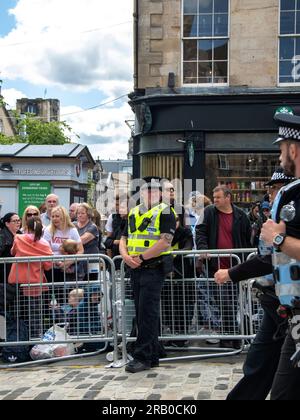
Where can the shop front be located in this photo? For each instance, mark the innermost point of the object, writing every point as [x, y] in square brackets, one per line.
[221, 139]
[29, 173]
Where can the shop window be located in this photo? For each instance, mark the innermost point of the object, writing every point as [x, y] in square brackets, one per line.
[205, 42]
[289, 42]
[245, 174]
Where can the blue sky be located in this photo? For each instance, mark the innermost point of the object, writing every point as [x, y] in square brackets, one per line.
[7, 22]
[79, 52]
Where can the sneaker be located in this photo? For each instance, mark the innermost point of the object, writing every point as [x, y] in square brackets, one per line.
[213, 340]
[136, 366]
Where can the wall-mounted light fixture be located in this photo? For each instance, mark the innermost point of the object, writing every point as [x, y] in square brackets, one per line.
[6, 167]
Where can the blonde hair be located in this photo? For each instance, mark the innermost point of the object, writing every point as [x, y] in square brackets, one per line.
[78, 293]
[66, 221]
[70, 247]
[24, 218]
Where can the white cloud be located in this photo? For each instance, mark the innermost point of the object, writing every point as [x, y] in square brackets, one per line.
[74, 44]
[11, 95]
[104, 130]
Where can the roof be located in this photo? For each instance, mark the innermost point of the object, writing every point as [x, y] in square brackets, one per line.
[26, 150]
[116, 166]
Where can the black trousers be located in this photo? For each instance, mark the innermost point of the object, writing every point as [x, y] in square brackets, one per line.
[147, 285]
[286, 384]
[263, 356]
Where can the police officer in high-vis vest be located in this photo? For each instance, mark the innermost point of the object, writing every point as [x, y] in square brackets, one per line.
[283, 234]
[145, 248]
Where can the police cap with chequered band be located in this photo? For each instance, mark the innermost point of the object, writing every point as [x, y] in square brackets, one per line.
[151, 183]
[289, 127]
[279, 177]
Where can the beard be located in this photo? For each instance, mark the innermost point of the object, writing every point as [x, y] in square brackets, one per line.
[289, 167]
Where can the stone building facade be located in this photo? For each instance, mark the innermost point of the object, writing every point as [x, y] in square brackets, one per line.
[209, 77]
[47, 109]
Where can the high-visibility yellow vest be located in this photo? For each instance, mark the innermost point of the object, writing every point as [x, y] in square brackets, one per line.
[144, 230]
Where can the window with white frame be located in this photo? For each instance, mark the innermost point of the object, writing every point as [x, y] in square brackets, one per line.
[289, 42]
[205, 42]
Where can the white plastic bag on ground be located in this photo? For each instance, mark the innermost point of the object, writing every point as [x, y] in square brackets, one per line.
[47, 351]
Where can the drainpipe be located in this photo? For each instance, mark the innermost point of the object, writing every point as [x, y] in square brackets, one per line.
[136, 44]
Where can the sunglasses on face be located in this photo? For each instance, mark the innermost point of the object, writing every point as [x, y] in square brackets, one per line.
[31, 214]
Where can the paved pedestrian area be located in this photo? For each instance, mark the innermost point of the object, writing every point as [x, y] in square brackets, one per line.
[89, 379]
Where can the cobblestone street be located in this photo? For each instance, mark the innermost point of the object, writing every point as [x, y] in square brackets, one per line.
[87, 379]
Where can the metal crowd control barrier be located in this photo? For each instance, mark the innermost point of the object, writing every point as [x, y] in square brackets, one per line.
[77, 294]
[194, 308]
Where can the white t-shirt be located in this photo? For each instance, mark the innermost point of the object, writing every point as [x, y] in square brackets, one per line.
[109, 224]
[58, 238]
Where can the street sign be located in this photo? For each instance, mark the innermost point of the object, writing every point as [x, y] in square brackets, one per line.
[32, 194]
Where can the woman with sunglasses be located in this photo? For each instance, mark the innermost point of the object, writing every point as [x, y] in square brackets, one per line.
[10, 225]
[30, 211]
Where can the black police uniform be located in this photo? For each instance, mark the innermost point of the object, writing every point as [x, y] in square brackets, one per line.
[286, 385]
[147, 282]
[263, 356]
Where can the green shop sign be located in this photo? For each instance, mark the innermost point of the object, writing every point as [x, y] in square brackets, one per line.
[32, 194]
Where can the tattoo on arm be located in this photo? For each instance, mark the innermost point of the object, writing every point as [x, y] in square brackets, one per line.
[167, 237]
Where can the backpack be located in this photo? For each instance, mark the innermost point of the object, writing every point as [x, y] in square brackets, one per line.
[16, 330]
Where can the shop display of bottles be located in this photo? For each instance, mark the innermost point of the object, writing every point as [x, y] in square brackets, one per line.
[245, 191]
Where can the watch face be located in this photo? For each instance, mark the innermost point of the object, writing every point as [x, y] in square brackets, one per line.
[278, 239]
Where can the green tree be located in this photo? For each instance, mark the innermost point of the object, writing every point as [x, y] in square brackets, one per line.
[32, 130]
[38, 132]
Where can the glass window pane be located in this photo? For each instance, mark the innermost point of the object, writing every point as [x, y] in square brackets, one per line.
[220, 69]
[190, 26]
[298, 4]
[220, 80]
[221, 6]
[190, 81]
[286, 48]
[190, 50]
[221, 49]
[205, 25]
[190, 70]
[205, 6]
[190, 6]
[221, 25]
[287, 4]
[205, 50]
[298, 23]
[297, 40]
[286, 68]
[204, 80]
[205, 70]
[287, 23]
[286, 79]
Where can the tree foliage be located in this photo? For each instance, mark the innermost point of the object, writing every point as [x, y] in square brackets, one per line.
[33, 131]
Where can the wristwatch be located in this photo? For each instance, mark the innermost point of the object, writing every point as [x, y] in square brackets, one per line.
[141, 258]
[278, 241]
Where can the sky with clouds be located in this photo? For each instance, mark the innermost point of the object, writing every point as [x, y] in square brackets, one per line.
[79, 52]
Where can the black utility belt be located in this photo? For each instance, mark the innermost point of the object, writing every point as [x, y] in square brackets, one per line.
[152, 264]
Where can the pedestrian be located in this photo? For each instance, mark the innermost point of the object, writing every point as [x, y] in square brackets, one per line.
[283, 233]
[51, 201]
[224, 226]
[89, 235]
[264, 353]
[55, 234]
[119, 221]
[30, 211]
[10, 226]
[145, 248]
[33, 296]
[73, 212]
